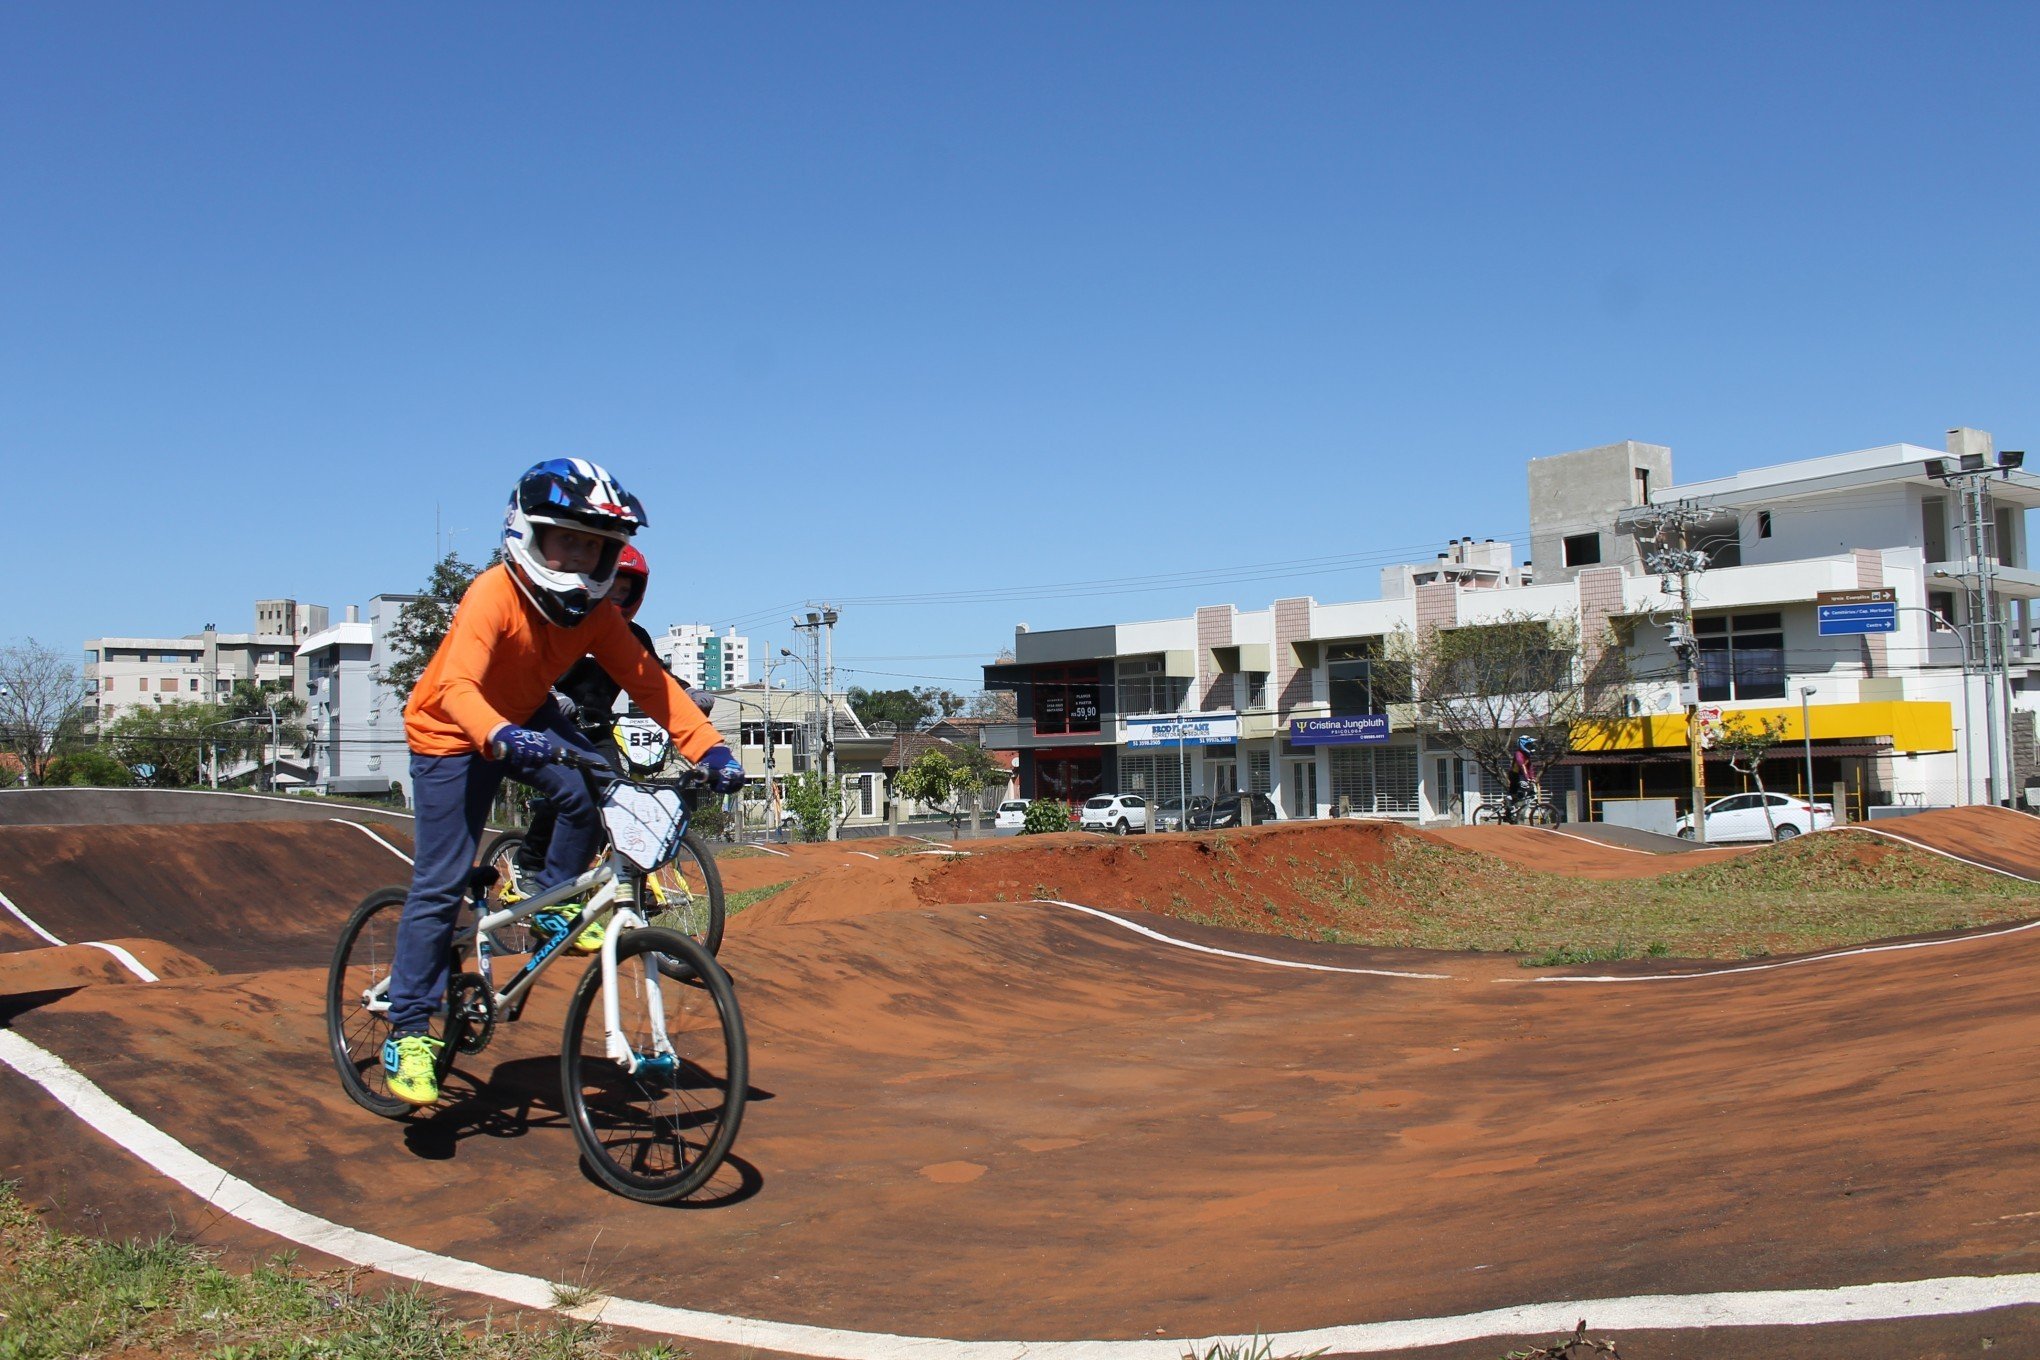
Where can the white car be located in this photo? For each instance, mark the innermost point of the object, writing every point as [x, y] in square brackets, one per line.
[1011, 816]
[1118, 813]
[1740, 817]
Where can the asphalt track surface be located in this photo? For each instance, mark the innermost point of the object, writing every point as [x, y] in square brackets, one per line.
[1035, 1128]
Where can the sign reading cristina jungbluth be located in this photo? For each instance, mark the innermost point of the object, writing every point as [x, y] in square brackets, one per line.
[1361, 729]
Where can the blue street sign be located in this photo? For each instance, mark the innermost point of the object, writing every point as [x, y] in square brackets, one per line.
[1364, 729]
[1840, 619]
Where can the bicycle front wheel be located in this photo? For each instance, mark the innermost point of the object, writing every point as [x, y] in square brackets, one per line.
[357, 1005]
[687, 894]
[1542, 814]
[658, 1133]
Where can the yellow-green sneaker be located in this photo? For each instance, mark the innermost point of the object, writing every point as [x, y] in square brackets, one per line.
[554, 923]
[411, 1068]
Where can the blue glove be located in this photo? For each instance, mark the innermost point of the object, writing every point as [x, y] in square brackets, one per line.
[725, 775]
[525, 751]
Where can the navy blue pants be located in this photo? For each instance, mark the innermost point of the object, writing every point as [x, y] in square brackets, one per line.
[451, 796]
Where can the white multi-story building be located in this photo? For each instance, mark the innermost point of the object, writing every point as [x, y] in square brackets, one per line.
[354, 721]
[698, 655]
[125, 673]
[1223, 699]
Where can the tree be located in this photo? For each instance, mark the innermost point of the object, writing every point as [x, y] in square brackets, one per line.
[168, 740]
[88, 765]
[814, 799]
[1747, 740]
[994, 705]
[421, 625]
[41, 697]
[1044, 815]
[1480, 687]
[908, 710]
[930, 779]
[248, 706]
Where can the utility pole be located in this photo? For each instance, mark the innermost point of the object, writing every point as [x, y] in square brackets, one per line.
[1684, 562]
[1971, 463]
[820, 627]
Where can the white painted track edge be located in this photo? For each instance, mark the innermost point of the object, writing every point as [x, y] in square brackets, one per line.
[1877, 1302]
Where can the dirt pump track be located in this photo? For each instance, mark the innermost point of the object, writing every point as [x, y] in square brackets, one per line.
[1012, 1121]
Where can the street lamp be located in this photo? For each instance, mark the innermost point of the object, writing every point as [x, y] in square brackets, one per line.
[1806, 736]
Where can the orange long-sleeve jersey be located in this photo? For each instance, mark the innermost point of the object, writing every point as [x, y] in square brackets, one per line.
[501, 656]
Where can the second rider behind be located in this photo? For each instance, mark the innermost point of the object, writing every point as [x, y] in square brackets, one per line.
[592, 694]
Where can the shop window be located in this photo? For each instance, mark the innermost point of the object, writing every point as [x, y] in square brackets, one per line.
[1375, 779]
[1066, 699]
[1742, 656]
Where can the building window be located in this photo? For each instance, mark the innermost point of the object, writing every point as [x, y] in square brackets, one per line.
[91, 656]
[1357, 681]
[142, 683]
[1763, 524]
[1257, 692]
[1142, 689]
[1742, 656]
[1066, 699]
[1642, 486]
[1375, 779]
[1582, 550]
[1942, 602]
[1258, 773]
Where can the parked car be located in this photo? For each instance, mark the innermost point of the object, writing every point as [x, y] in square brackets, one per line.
[1225, 811]
[1118, 813]
[1169, 815]
[1011, 816]
[1740, 817]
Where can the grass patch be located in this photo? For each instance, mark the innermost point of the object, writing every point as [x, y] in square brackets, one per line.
[63, 1296]
[734, 902]
[741, 852]
[1818, 892]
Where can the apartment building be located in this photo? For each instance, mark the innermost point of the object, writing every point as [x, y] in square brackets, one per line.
[698, 655]
[354, 721]
[124, 673]
[1240, 698]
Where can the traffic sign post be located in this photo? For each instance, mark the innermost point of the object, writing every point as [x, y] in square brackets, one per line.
[1847, 612]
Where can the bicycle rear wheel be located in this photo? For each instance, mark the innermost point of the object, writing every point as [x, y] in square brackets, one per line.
[357, 1008]
[517, 937]
[687, 894]
[657, 1134]
[1486, 814]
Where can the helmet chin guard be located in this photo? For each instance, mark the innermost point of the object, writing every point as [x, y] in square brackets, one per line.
[567, 493]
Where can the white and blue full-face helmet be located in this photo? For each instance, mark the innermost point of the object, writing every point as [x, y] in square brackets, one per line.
[570, 493]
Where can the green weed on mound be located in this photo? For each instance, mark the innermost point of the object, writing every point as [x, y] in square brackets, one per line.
[63, 1296]
[1818, 892]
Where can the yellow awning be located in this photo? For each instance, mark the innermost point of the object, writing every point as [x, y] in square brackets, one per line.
[1909, 724]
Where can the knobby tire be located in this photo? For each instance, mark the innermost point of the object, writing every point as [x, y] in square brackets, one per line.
[657, 1137]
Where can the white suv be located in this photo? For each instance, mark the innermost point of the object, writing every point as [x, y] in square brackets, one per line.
[1118, 813]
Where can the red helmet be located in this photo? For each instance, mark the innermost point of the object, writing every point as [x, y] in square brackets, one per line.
[630, 562]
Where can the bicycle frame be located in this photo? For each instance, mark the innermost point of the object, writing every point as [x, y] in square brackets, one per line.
[605, 900]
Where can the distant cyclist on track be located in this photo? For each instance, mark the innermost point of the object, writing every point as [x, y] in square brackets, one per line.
[1522, 778]
[483, 710]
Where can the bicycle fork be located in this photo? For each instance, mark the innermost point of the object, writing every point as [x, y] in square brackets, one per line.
[661, 1061]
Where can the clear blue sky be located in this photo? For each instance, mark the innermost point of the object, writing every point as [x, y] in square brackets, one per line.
[884, 300]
